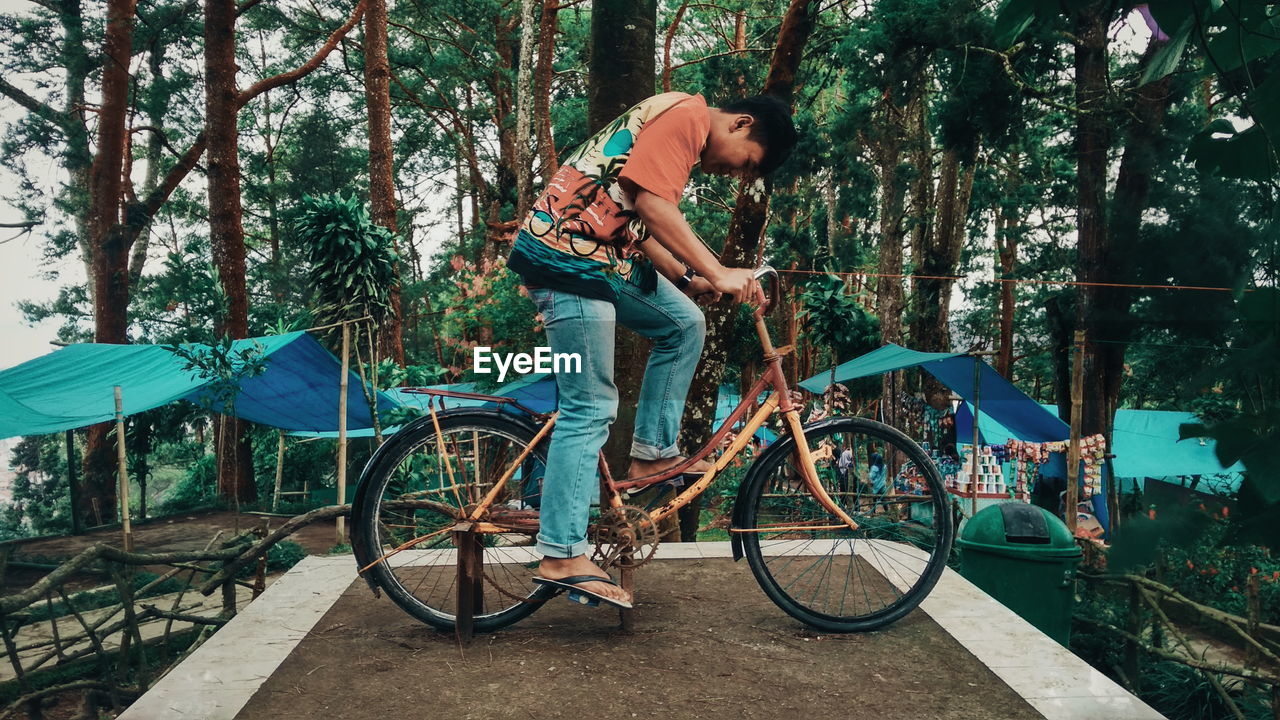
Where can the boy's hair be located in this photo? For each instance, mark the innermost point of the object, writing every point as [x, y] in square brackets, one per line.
[772, 128]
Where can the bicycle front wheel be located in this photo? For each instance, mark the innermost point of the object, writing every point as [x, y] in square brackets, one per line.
[815, 567]
[415, 498]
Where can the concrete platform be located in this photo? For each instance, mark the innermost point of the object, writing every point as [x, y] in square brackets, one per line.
[707, 644]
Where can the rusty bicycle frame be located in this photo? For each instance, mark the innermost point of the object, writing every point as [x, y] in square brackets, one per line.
[468, 531]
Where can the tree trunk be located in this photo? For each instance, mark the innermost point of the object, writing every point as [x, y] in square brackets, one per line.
[524, 111]
[78, 159]
[503, 192]
[622, 73]
[226, 233]
[157, 109]
[110, 253]
[922, 215]
[382, 186]
[741, 242]
[1007, 248]
[891, 120]
[667, 40]
[1112, 305]
[1092, 143]
[543, 75]
[939, 257]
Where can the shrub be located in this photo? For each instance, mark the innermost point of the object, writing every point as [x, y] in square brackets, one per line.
[197, 489]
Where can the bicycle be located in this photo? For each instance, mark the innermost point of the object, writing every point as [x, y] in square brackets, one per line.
[445, 514]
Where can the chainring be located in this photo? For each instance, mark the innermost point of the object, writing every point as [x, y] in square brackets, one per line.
[625, 537]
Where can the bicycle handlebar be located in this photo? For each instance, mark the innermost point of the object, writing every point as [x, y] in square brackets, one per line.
[772, 293]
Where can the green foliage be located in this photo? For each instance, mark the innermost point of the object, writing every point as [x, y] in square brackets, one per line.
[352, 260]
[1240, 45]
[198, 488]
[1214, 571]
[40, 504]
[487, 306]
[1179, 692]
[224, 367]
[836, 320]
[284, 555]
[1141, 541]
[1252, 436]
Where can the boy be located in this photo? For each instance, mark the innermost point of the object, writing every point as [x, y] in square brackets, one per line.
[605, 243]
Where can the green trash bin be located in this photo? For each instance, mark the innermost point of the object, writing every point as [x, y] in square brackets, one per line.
[1025, 557]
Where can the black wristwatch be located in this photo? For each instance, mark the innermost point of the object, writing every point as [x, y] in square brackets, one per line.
[686, 278]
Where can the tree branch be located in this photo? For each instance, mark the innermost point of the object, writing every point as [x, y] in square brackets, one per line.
[301, 71]
[720, 54]
[172, 179]
[246, 6]
[244, 557]
[1006, 59]
[41, 110]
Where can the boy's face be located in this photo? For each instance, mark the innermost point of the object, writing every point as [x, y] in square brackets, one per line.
[729, 149]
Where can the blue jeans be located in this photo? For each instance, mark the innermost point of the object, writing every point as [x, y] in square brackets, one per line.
[588, 400]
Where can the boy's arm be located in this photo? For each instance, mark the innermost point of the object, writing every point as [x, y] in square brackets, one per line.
[666, 263]
[668, 226]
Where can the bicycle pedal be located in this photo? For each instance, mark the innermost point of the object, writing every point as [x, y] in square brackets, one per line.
[581, 599]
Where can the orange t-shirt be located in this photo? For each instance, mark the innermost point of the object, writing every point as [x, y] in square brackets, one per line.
[581, 234]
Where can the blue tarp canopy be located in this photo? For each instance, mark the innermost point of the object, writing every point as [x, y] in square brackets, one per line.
[998, 398]
[536, 392]
[1145, 443]
[74, 387]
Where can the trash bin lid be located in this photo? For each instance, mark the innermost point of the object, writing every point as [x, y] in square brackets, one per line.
[1020, 530]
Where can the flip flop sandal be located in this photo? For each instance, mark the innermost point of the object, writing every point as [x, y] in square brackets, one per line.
[581, 596]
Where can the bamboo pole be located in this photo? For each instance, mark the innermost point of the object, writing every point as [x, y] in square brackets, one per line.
[77, 523]
[1073, 446]
[275, 500]
[124, 473]
[342, 431]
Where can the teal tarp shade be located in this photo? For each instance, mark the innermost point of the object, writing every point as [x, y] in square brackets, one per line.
[1146, 443]
[999, 398]
[727, 400]
[536, 392]
[74, 387]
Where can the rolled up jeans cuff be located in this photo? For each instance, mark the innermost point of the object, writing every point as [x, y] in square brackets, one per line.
[642, 450]
[558, 550]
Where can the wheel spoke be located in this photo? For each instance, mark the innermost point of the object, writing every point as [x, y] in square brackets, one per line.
[419, 496]
[818, 569]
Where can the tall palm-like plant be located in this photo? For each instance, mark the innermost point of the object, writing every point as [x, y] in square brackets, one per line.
[352, 272]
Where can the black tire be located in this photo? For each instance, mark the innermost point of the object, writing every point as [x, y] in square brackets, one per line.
[841, 580]
[422, 580]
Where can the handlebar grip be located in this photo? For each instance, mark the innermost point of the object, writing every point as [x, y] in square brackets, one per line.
[774, 290]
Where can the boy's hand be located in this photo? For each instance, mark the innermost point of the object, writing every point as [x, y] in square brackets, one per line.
[701, 290]
[741, 283]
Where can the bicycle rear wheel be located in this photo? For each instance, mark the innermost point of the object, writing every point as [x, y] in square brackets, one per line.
[414, 496]
[822, 573]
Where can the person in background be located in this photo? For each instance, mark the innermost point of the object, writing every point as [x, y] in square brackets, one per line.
[875, 473]
[843, 463]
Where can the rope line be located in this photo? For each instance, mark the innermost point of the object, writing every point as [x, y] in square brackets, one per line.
[1029, 281]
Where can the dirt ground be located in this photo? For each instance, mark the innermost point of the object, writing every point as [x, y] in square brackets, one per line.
[180, 532]
[708, 644]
